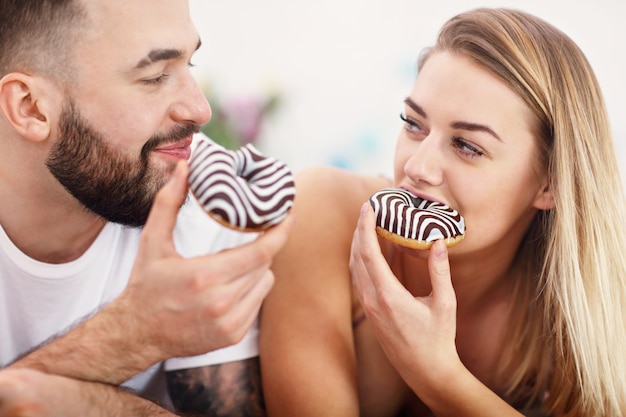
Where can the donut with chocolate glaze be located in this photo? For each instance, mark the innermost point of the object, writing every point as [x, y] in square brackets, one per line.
[414, 222]
[241, 189]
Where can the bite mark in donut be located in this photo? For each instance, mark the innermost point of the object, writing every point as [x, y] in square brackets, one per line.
[414, 222]
[241, 189]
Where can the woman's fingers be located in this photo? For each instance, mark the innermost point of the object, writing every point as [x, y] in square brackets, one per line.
[443, 295]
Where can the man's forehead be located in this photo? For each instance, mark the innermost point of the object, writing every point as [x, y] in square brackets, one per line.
[138, 17]
[139, 37]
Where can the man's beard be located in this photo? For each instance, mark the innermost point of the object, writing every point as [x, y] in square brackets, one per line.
[104, 179]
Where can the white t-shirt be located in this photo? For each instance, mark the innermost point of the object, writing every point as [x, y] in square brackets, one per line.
[40, 300]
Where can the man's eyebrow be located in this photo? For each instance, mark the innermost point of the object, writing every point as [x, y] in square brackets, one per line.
[157, 55]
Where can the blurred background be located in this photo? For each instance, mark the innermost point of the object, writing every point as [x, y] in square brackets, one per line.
[322, 82]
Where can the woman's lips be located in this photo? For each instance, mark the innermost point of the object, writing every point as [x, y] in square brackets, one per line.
[421, 195]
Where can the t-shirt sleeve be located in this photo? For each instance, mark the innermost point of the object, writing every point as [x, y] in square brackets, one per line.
[197, 234]
[247, 348]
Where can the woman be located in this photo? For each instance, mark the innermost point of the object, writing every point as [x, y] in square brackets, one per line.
[507, 125]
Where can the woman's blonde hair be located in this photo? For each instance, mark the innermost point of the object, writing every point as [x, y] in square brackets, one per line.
[570, 334]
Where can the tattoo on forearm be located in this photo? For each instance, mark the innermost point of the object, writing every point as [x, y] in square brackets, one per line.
[230, 389]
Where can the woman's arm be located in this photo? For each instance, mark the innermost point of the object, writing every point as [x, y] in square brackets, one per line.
[308, 363]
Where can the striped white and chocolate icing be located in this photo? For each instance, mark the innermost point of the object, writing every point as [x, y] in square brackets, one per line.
[242, 189]
[410, 217]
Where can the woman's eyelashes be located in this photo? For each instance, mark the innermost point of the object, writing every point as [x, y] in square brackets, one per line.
[465, 148]
[411, 125]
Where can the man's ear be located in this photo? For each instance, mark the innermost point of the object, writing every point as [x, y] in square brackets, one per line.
[26, 103]
[545, 197]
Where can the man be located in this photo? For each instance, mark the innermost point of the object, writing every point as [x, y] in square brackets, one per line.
[29, 393]
[101, 276]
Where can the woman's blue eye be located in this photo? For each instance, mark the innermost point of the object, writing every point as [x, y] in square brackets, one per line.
[467, 149]
[411, 125]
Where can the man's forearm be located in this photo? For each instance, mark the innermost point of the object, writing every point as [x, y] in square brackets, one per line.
[33, 393]
[99, 349]
[107, 400]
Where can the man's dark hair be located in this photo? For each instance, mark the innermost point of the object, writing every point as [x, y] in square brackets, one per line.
[39, 35]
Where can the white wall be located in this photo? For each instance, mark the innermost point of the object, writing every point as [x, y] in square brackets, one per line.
[343, 67]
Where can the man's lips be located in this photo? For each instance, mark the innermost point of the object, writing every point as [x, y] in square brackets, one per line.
[178, 150]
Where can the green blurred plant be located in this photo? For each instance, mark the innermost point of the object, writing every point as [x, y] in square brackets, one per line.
[238, 120]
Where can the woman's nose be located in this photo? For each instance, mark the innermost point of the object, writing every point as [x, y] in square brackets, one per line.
[425, 164]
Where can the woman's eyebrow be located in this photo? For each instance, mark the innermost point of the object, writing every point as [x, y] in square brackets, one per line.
[475, 127]
[416, 107]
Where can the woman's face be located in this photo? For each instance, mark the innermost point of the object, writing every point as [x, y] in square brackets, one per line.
[467, 142]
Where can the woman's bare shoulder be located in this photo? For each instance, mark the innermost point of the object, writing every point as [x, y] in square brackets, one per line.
[326, 209]
[342, 190]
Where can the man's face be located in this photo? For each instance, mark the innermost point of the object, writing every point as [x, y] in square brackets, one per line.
[115, 187]
[132, 108]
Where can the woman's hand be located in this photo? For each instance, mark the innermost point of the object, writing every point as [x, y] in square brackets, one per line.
[416, 333]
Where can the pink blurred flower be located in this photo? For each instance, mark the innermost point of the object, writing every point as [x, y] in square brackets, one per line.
[244, 115]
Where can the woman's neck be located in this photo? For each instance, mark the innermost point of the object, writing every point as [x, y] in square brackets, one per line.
[478, 279]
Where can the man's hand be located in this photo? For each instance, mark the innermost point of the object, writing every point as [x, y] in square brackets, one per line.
[30, 393]
[186, 307]
[172, 306]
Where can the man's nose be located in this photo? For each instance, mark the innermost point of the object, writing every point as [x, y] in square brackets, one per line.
[191, 105]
